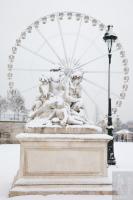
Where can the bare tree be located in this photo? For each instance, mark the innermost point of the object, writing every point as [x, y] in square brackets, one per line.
[117, 124]
[3, 105]
[16, 102]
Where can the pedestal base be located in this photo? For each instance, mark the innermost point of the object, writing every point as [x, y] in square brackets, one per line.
[62, 164]
[30, 186]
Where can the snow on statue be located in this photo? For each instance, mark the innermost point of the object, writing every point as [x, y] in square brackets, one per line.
[59, 101]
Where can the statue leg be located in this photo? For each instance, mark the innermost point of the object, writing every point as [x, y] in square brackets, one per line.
[80, 119]
[73, 121]
[39, 111]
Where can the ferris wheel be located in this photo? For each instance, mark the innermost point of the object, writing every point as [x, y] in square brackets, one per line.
[72, 41]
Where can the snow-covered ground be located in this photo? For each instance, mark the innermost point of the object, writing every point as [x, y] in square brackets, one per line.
[9, 164]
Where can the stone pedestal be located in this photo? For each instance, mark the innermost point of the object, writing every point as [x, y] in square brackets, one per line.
[62, 164]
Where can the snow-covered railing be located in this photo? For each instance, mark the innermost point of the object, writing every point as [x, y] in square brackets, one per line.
[13, 117]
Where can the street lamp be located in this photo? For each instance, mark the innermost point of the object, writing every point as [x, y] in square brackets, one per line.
[110, 38]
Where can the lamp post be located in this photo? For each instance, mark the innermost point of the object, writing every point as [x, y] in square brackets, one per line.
[110, 38]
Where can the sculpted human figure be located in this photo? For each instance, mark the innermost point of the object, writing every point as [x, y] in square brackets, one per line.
[73, 93]
[44, 87]
[75, 96]
[56, 82]
[61, 112]
[42, 97]
[49, 88]
[78, 110]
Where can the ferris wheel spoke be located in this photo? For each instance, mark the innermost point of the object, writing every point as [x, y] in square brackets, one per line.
[31, 70]
[76, 42]
[86, 50]
[93, 60]
[91, 99]
[99, 86]
[102, 72]
[37, 54]
[28, 89]
[62, 41]
[41, 46]
[49, 45]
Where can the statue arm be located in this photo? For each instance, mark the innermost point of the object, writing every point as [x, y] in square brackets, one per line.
[71, 99]
[68, 97]
[64, 121]
[44, 90]
[52, 115]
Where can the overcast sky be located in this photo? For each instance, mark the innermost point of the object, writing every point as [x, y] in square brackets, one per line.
[15, 15]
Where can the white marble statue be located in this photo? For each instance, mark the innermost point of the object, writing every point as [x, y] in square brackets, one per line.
[41, 99]
[59, 100]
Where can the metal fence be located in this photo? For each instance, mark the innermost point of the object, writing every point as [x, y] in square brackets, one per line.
[13, 117]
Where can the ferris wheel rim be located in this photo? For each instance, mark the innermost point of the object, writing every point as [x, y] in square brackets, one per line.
[86, 19]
